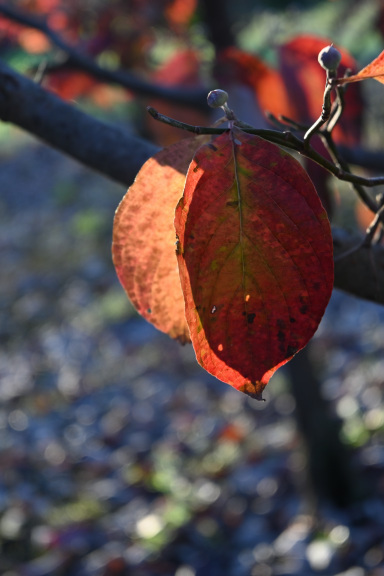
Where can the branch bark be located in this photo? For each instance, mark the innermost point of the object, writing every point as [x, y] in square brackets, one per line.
[103, 147]
[113, 152]
[361, 272]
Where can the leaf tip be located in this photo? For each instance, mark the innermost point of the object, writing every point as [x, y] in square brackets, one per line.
[253, 389]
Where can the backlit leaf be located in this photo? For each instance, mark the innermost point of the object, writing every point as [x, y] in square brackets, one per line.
[255, 258]
[374, 70]
[143, 246]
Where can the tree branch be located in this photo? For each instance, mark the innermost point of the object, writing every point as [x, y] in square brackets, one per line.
[288, 140]
[361, 272]
[111, 151]
[77, 60]
[105, 148]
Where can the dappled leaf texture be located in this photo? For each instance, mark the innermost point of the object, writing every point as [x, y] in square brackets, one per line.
[143, 246]
[255, 258]
[373, 70]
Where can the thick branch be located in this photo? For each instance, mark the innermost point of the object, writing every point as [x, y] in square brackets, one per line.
[103, 147]
[361, 272]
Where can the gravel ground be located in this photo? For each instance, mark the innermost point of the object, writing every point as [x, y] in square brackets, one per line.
[118, 454]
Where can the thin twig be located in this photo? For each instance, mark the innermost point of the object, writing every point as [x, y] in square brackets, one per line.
[325, 112]
[286, 139]
[337, 110]
[343, 165]
[282, 122]
[372, 228]
[296, 125]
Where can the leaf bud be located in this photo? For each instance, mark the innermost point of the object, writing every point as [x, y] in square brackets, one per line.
[329, 58]
[217, 98]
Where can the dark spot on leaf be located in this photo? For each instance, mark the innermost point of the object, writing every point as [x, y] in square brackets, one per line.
[233, 203]
[291, 350]
[304, 305]
[149, 311]
[292, 320]
[212, 147]
[316, 286]
[250, 318]
[244, 313]
[281, 324]
[281, 336]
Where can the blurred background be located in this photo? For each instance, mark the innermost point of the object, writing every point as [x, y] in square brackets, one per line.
[118, 454]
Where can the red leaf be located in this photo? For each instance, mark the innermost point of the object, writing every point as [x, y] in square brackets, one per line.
[255, 258]
[143, 246]
[374, 70]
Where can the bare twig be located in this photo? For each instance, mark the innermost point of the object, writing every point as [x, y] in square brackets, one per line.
[372, 228]
[325, 113]
[339, 161]
[286, 139]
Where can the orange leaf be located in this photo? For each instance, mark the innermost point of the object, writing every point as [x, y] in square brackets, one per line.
[143, 246]
[374, 70]
[255, 258]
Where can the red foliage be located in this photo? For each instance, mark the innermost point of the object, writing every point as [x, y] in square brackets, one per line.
[255, 258]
